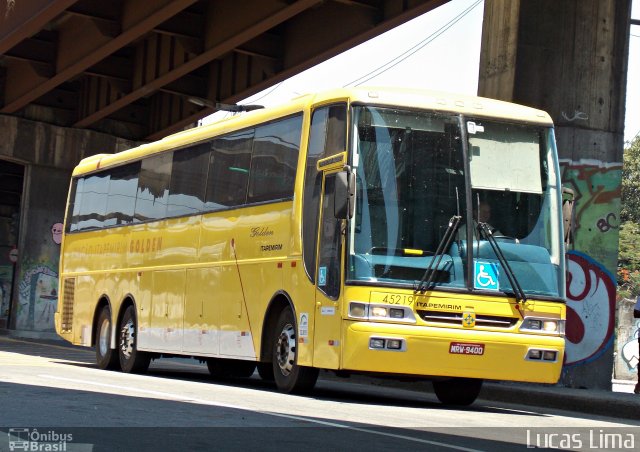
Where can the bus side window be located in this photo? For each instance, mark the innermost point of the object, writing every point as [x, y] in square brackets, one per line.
[328, 136]
[274, 160]
[153, 188]
[229, 170]
[122, 194]
[93, 205]
[188, 180]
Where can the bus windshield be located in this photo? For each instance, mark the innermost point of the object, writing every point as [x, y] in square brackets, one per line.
[412, 178]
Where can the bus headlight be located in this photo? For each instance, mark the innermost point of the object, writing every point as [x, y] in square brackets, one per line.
[543, 325]
[358, 310]
[381, 313]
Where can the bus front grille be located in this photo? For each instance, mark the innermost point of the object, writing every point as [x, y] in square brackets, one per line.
[67, 305]
[456, 318]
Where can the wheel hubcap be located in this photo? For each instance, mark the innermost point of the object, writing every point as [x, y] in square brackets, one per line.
[103, 340]
[127, 339]
[286, 349]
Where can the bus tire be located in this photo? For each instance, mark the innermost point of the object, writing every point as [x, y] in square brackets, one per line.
[131, 360]
[230, 368]
[457, 391]
[288, 375]
[106, 357]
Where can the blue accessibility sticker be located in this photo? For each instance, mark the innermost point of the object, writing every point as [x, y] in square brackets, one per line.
[322, 276]
[486, 276]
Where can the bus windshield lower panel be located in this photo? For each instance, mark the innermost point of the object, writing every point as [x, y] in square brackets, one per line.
[412, 178]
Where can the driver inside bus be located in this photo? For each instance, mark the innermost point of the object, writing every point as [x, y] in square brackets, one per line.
[483, 215]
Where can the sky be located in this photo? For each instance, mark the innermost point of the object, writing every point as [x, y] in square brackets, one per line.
[448, 36]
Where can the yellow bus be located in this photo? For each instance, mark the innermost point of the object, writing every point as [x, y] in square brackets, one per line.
[385, 231]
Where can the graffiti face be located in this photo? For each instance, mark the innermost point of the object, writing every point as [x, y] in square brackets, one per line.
[591, 296]
[56, 233]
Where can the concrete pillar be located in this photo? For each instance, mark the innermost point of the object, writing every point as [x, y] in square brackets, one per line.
[569, 57]
[49, 154]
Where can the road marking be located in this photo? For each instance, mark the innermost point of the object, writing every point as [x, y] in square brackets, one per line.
[181, 398]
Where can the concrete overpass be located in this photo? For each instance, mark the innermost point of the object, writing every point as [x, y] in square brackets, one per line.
[79, 77]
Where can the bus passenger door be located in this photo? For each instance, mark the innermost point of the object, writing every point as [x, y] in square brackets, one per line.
[327, 337]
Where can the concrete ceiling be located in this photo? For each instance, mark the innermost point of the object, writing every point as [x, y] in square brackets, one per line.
[132, 68]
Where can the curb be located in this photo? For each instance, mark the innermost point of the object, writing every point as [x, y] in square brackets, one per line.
[34, 335]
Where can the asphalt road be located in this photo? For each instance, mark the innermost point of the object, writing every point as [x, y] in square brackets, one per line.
[52, 397]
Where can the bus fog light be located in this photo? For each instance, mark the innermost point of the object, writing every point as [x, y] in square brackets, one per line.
[376, 343]
[379, 312]
[549, 355]
[396, 313]
[357, 310]
[535, 354]
[394, 344]
[550, 326]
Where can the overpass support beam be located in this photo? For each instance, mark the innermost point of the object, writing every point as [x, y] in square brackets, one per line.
[569, 57]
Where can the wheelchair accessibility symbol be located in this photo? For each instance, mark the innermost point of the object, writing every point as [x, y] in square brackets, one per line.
[486, 276]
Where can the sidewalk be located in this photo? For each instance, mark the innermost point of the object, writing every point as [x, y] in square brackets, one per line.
[619, 403]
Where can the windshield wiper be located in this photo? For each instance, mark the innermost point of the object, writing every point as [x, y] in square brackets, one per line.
[445, 242]
[511, 276]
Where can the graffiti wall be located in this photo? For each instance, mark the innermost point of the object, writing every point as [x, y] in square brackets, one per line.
[38, 298]
[38, 286]
[591, 266]
[627, 331]
[35, 297]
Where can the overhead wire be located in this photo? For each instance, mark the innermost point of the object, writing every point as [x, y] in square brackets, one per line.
[411, 51]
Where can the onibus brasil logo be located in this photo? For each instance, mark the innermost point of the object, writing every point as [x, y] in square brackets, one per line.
[30, 439]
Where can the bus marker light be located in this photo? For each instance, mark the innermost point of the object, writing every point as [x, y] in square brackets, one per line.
[293, 264]
[279, 264]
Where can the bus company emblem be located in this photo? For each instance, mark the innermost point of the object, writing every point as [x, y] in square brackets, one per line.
[468, 319]
[260, 232]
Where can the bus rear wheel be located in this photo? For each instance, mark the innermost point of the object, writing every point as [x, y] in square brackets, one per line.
[457, 391]
[106, 357]
[131, 360]
[288, 375]
[230, 368]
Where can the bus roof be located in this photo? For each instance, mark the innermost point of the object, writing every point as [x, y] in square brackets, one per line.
[401, 97]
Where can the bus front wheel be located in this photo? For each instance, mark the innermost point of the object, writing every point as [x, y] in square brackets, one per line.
[131, 360]
[106, 357]
[457, 391]
[288, 375]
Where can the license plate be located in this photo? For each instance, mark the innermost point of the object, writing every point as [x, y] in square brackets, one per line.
[461, 348]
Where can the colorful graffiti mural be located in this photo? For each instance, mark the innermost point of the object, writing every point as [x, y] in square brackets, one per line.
[596, 186]
[591, 265]
[591, 303]
[38, 298]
